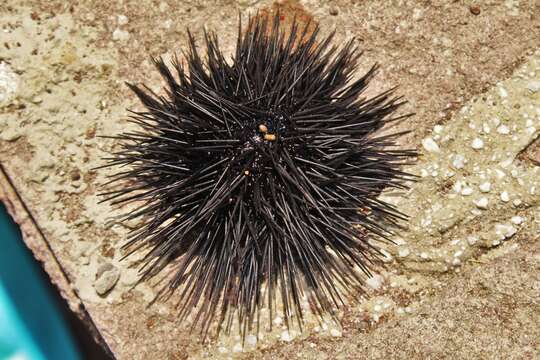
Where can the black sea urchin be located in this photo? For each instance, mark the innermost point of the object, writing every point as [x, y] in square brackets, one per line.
[257, 178]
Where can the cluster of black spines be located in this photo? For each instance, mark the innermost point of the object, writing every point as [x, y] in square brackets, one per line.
[256, 179]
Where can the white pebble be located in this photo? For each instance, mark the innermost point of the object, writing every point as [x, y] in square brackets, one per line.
[481, 203]
[457, 187]
[500, 173]
[505, 197]
[505, 231]
[251, 340]
[163, 6]
[477, 144]
[503, 129]
[437, 129]
[9, 82]
[466, 191]
[377, 308]
[404, 252]
[237, 348]
[375, 281]
[456, 261]
[533, 85]
[430, 145]
[122, 19]
[502, 92]
[516, 202]
[286, 336]
[485, 187]
[458, 253]
[335, 333]
[120, 35]
[418, 14]
[472, 240]
[424, 255]
[517, 220]
[458, 162]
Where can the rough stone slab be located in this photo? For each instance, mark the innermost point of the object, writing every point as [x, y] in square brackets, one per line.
[64, 66]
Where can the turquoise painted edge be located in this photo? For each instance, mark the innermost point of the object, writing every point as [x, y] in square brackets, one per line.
[31, 327]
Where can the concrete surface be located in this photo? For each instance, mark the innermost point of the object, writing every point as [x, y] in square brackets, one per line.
[462, 282]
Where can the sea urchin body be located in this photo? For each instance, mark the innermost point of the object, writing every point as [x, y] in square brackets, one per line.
[257, 179]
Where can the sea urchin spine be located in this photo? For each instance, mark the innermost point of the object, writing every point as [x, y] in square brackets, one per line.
[258, 178]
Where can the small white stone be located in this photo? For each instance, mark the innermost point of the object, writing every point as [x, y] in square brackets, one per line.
[335, 333]
[533, 85]
[516, 202]
[375, 281]
[472, 240]
[404, 252]
[163, 6]
[251, 340]
[458, 253]
[437, 129]
[496, 121]
[486, 128]
[517, 220]
[506, 163]
[457, 187]
[9, 82]
[120, 35]
[278, 321]
[505, 231]
[456, 261]
[503, 129]
[377, 308]
[430, 145]
[418, 14]
[458, 162]
[485, 187]
[286, 336]
[424, 255]
[481, 203]
[122, 19]
[466, 191]
[477, 144]
[237, 348]
[502, 92]
[505, 197]
[167, 23]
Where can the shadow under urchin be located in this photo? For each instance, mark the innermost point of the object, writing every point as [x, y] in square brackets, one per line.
[256, 179]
